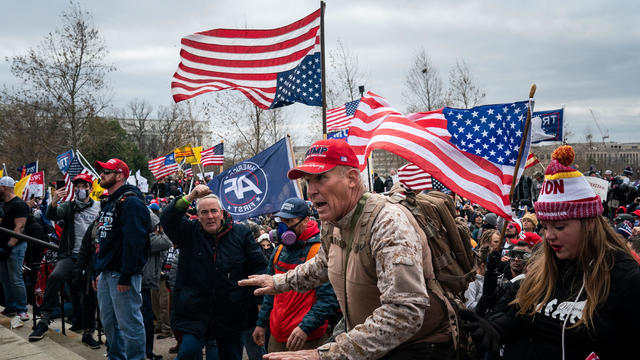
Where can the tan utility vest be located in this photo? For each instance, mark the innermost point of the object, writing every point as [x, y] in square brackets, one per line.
[363, 295]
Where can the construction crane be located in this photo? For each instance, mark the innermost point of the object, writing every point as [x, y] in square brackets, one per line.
[605, 136]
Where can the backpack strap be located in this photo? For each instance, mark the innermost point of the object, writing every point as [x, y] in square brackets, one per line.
[277, 255]
[313, 251]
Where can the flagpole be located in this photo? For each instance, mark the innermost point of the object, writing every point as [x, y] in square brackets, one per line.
[564, 137]
[293, 161]
[89, 164]
[523, 142]
[221, 166]
[323, 67]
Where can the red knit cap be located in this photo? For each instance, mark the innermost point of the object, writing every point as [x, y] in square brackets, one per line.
[565, 193]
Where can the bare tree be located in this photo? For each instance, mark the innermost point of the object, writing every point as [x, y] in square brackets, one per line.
[67, 71]
[136, 122]
[463, 92]
[423, 86]
[346, 77]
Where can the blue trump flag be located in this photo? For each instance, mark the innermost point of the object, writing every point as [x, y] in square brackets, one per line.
[546, 125]
[64, 160]
[29, 169]
[341, 134]
[257, 186]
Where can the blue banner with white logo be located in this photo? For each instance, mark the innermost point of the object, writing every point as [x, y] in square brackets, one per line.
[257, 186]
[546, 125]
[341, 134]
[29, 169]
[64, 160]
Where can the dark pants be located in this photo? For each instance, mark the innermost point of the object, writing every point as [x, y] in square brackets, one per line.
[60, 275]
[228, 348]
[422, 351]
[147, 318]
[89, 305]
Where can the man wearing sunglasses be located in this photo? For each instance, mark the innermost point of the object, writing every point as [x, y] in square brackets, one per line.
[123, 244]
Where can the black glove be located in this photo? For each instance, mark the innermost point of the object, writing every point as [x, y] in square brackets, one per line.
[493, 261]
[485, 336]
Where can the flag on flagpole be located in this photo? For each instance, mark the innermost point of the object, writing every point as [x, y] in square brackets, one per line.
[28, 169]
[187, 169]
[472, 152]
[184, 153]
[271, 67]
[414, 178]
[75, 168]
[258, 185]
[213, 155]
[20, 186]
[531, 161]
[340, 117]
[163, 166]
[63, 160]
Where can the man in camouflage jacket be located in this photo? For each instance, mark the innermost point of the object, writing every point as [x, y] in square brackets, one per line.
[384, 275]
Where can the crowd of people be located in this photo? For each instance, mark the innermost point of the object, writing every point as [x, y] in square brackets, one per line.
[346, 274]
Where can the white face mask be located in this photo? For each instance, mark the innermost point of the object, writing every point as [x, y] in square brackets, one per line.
[82, 194]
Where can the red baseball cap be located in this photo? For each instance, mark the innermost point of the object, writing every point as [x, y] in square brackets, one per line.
[113, 164]
[636, 213]
[83, 177]
[323, 156]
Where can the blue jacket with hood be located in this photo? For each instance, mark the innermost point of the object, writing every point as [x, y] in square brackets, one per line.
[123, 234]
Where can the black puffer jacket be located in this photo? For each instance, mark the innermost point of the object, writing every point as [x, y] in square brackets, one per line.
[207, 301]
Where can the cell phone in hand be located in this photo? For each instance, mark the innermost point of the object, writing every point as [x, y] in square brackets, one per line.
[59, 184]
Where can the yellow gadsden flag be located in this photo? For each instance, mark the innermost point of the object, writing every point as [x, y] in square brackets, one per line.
[1, 173]
[97, 190]
[18, 188]
[189, 153]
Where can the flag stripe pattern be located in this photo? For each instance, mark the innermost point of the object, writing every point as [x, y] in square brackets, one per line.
[163, 166]
[340, 117]
[470, 151]
[75, 168]
[531, 161]
[414, 177]
[213, 155]
[272, 67]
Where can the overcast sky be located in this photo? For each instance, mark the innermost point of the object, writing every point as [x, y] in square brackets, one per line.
[583, 54]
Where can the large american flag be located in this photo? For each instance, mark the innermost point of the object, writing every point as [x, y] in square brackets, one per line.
[340, 117]
[473, 152]
[163, 166]
[75, 168]
[272, 67]
[414, 177]
[213, 155]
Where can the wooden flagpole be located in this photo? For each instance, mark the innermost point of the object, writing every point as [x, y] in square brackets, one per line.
[523, 142]
[323, 69]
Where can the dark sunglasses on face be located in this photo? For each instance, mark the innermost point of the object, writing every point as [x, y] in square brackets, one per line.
[107, 171]
[519, 254]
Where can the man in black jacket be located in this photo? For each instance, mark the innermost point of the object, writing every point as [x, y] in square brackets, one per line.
[123, 244]
[215, 253]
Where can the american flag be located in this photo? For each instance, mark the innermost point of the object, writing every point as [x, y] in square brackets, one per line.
[163, 166]
[531, 161]
[340, 117]
[213, 156]
[187, 169]
[75, 168]
[272, 67]
[473, 152]
[414, 177]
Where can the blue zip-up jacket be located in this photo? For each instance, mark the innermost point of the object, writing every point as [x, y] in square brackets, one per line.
[123, 242]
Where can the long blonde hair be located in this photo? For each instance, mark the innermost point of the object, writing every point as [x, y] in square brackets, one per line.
[595, 258]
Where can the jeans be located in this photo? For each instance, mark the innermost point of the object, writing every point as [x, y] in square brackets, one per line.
[227, 348]
[121, 316]
[191, 348]
[61, 273]
[254, 351]
[147, 316]
[11, 277]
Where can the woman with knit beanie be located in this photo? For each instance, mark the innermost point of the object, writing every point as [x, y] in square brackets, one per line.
[580, 297]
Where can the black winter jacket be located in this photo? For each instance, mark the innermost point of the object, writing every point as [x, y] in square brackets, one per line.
[207, 301]
[616, 322]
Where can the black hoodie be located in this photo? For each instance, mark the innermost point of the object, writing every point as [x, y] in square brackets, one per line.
[123, 239]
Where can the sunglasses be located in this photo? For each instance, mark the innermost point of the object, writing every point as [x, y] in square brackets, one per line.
[519, 254]
[107, 171]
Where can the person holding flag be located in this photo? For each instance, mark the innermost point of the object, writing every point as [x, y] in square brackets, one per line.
[77, 215]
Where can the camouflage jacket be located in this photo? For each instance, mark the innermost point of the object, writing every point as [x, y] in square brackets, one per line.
[398, 282]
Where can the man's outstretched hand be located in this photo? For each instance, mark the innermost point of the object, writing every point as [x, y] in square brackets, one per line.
[265, 284]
